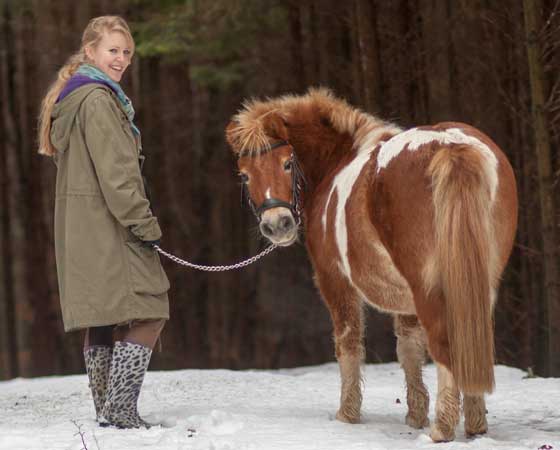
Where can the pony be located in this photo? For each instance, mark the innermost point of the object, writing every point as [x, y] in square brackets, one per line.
[417, 223]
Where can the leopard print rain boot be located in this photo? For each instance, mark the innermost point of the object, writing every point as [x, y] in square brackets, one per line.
[98, 363]
[128, 367]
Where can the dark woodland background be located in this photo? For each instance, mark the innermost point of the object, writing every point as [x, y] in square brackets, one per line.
[494, 64]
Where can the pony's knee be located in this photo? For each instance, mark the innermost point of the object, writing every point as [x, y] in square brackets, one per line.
[348, 336]
[351, 348]
[411, 340]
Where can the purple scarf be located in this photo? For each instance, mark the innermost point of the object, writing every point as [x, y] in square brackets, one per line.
[76, 81]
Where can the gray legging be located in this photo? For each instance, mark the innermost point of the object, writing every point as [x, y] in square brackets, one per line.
[142, 332]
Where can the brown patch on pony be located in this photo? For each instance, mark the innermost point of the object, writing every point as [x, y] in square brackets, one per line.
[466, 259]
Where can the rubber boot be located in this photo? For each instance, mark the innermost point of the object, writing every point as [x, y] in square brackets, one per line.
[128, 367]
[98, 364]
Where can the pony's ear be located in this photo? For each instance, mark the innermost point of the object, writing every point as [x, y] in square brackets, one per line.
[275, 126]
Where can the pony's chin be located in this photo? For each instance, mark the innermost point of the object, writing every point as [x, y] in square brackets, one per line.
[284, 242]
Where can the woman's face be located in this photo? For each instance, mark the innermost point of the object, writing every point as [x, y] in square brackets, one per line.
[112, 54]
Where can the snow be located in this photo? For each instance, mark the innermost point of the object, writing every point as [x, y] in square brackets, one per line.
[288, 409]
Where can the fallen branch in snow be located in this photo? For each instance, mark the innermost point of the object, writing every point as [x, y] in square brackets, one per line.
[81, 433]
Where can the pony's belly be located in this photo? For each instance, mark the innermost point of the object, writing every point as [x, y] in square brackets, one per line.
[378, 281]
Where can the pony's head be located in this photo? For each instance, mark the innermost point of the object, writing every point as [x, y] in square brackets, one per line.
[270, 173]
[266, 135]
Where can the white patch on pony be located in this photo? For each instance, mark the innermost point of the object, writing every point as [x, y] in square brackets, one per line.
[415, 138]
[371, 139]
[367, 144]
[267, 194]
[343, 182]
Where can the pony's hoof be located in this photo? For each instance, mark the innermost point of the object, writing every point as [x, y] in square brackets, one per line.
[475, 425]
[473, 432]
[347, 418]
[439, 435]
[417, 422]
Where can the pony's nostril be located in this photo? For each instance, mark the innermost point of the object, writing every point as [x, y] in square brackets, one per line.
[266, 229]
[286, 224]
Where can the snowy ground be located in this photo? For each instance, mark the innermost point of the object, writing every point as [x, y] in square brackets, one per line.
[268, 410]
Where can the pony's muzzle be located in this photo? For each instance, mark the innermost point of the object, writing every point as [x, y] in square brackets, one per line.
[278, 226]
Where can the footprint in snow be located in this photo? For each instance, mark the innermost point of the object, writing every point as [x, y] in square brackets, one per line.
[217, 423]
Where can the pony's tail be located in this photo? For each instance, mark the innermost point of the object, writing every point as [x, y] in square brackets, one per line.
[463, 179]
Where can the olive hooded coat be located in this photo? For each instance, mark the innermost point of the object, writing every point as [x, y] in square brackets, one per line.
[106, 275]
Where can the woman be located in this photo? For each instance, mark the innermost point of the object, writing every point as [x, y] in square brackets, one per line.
[110, 278]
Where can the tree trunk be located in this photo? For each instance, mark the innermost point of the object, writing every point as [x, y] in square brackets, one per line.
[533, 25]
[22, 314]
[296, 45]
[369, 55]
[7, 344]
[435, 15]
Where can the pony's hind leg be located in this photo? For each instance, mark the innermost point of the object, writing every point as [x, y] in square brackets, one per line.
[411, 351]
[475, 415]
[447, 406]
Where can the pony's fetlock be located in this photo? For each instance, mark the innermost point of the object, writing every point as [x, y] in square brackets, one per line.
[418, 405]
[348, 416]
[417, 421]
[442, 432]
[447, 407]
[351, 389]
[475, 415]
[418, 401]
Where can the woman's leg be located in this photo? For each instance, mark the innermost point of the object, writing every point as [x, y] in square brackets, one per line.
[99, 336]
[143, 332]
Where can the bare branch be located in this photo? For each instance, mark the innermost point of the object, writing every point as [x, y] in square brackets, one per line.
[81, 434]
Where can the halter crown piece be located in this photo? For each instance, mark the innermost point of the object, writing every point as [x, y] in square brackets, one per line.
[298, 186]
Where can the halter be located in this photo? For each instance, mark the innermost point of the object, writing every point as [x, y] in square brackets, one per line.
[298, 186]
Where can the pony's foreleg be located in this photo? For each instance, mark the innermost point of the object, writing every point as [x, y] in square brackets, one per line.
[347, 318]
[475, 415]
[447, 406]
[411, 351]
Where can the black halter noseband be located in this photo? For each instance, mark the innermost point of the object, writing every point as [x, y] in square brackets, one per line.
[298, 186]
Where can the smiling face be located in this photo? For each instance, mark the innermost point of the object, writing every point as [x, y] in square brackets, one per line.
[112, 54]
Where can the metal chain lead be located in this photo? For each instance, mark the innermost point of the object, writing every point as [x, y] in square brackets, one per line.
[204, 268]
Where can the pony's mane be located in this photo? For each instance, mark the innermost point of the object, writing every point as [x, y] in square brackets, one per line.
[249, 134]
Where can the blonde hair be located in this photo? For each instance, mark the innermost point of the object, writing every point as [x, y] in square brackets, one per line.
[90, 38]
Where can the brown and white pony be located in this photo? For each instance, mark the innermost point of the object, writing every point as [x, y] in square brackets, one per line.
[417, 223]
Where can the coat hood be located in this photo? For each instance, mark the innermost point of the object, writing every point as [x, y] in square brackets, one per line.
[64, 114]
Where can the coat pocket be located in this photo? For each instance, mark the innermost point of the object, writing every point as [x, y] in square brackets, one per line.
[146, 273]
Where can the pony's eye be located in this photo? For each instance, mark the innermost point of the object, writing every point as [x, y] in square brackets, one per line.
[244, 177]
[288, 165]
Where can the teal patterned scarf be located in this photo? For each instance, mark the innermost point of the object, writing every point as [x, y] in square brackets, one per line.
[97, 74]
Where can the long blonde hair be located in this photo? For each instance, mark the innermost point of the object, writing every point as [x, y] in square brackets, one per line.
[90, 38]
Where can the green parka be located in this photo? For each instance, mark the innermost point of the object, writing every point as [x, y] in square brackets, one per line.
[105, 275]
